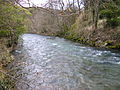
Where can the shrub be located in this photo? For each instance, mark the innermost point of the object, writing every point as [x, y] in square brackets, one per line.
[111, 12]
[114, 22]
[12, 18]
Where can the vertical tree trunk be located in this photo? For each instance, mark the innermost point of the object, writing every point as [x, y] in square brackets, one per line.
[61, 3]
[97, 13]
[69, 3]
[73, 4]
[78, 2]
[28, 2]
[93, 15]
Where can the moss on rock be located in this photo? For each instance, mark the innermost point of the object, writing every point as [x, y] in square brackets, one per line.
[116, 46]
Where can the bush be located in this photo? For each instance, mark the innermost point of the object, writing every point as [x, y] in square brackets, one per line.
[12, 18]
[111, 12]
[114, 22]
[107, 13]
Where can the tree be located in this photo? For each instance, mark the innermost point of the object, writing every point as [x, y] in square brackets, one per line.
[78, 2]
[61, 3]
[12, 20]
[111, 11]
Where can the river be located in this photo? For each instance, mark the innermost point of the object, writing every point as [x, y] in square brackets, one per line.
[52, 63]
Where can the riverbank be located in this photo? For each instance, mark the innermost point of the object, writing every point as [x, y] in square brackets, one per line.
[84, 32]
[78, 28]
[6, 83]
[13, 21]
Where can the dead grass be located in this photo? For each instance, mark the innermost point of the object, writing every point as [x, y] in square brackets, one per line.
[5, 59]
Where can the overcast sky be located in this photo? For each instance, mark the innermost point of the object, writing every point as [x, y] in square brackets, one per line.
[38, 2]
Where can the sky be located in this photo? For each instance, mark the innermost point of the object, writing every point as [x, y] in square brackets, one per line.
[38, 2]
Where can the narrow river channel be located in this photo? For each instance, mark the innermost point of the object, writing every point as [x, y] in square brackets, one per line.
[52, 63]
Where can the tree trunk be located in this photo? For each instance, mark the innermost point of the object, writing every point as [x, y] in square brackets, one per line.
[78, 2]
[97, 13]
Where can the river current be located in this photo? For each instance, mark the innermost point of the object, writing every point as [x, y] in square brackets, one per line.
[52, 63]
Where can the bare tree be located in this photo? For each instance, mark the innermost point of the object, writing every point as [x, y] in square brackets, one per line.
[93, 6]
[73, 4]
[78, 2]
[97, 7]
[61, 3]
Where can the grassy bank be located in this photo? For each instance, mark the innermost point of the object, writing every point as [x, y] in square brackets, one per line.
[84, 32]
[13, 20]
[97, 26]
[6, 83]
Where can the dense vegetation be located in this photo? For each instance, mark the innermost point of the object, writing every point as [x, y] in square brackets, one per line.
[107, 9]
[12, 20]
[98, 24]
[111, 11]
[99, 9]
[12, 24]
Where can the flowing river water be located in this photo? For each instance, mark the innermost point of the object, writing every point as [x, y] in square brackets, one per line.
[52, 63]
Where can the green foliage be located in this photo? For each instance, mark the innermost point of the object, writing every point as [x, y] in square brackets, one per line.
[117, 2]
[12, 18]
[64, 30]
[115, 46]
[4, 33]
[107, 13]
[114, 22]
[111, 11]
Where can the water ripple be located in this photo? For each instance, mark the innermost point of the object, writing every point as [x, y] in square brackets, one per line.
[52, 63]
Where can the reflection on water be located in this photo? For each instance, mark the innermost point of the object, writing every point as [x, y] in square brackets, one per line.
[52, 63]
